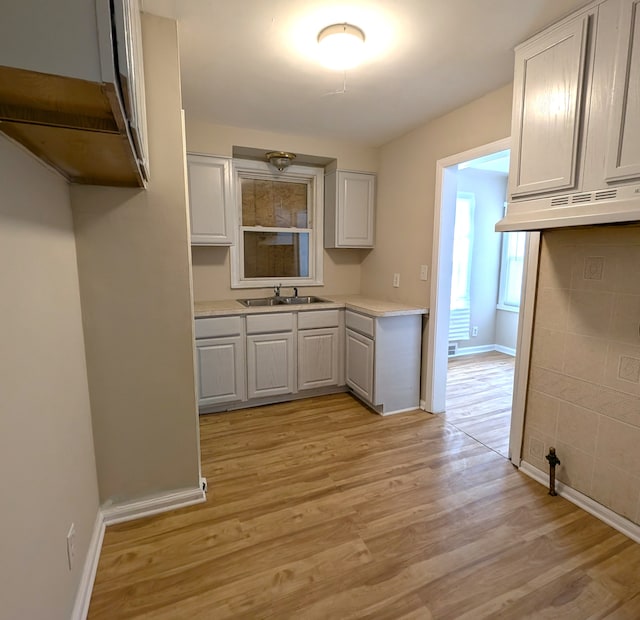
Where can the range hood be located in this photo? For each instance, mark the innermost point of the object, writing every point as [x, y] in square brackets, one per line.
[606, 206]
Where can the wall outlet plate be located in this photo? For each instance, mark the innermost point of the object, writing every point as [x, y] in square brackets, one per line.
[424, 272]
[474, 331]
[396, 280]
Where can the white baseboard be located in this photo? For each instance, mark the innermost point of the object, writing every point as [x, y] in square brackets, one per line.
[616, 521]
[83, 595]
[485, 348]
[127, 511]
[118, 513]
[397, 411]
[505, 350]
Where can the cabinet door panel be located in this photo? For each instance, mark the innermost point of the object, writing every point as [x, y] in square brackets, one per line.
[359, 364]
[317, 358]
[209, 200]
[221, 370]
[548, 93]
[623, 152]
[356, 207]
[270, 364]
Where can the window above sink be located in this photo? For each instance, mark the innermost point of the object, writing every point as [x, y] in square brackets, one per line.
[279, 217]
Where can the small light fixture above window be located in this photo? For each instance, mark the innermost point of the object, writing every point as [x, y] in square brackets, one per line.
[341, 46]
[280, 159]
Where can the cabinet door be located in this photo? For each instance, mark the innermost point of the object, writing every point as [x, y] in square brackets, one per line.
[317, 358]
[221, 370]
[356, 202]
[270, 364]
[623, 149]
[210, 204]
[548, 93]
[360, 352]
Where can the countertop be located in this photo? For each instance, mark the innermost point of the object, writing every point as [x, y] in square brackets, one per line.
[366, 305]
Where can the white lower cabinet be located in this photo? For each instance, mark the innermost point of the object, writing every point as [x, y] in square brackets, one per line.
[383, 360]
[270, 364]
[318, 358]
[266, 356]
[360, 352]
[220, 370]
[220, 360]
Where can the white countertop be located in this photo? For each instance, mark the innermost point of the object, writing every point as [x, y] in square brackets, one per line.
[366, 305]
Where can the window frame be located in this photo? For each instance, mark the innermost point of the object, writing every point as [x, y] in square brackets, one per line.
[470, 199]
[505, 262]
[314, 179]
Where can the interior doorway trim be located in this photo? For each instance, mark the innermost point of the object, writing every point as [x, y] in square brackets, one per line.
[435, 370]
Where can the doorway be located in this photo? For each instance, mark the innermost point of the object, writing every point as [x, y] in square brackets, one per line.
[477, 332]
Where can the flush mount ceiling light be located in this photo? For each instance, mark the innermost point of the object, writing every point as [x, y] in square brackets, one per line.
[280, 159]
[341, 46]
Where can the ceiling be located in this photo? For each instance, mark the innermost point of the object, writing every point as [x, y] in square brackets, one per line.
[253, 63]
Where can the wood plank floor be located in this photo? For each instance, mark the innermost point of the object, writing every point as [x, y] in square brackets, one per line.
[322, 509]
[479, 392]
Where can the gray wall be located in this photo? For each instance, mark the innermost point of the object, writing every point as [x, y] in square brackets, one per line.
[48, 477]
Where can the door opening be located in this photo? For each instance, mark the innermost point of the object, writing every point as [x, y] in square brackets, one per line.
[477, 294]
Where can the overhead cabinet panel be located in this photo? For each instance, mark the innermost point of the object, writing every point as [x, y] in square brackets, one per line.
[548, 93]
[349, 209]
[210, 203]
[623, 152]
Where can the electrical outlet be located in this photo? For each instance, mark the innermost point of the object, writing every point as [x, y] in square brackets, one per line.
[396, 280]
[474, 331]
[71, 545]
[203, 484]
[424, 272]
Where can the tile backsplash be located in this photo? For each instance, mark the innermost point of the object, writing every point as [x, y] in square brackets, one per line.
[584, 384]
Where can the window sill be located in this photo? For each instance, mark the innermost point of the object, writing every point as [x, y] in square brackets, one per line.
[515, 309]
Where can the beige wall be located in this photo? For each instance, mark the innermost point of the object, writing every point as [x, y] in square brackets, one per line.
[204, 137]
[584, 387]
[133, 258]
[507, 328]
[48, 478]
[212, 276]
[406, 189]
[211, 271]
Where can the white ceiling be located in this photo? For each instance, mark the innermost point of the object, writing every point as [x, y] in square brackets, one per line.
[252, 63]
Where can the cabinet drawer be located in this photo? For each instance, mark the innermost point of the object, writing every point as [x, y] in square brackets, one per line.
[266, 323]
[360, 323]
[213, 327]
[318, 318]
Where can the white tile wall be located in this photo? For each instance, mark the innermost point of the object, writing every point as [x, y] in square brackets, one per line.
[584, 386]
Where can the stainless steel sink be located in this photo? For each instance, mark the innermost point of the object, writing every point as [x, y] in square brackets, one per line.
[260, 301]
[309, 299]
[278, 301]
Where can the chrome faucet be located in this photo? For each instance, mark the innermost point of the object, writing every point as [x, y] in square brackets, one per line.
[295, 291]
[276, 290]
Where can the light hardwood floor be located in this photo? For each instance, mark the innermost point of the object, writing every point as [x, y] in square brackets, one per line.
[479, 392]
[321, 509]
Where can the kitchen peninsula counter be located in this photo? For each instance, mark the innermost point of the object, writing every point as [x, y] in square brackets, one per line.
[357, 303]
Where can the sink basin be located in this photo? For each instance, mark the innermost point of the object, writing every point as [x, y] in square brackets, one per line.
[309, 299]
[260, 301]
[278, 301]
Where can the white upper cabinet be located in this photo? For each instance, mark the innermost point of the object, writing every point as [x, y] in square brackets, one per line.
[349, 209]
[548, 87]
[210, 200]
[623, 148]
[576, 122]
